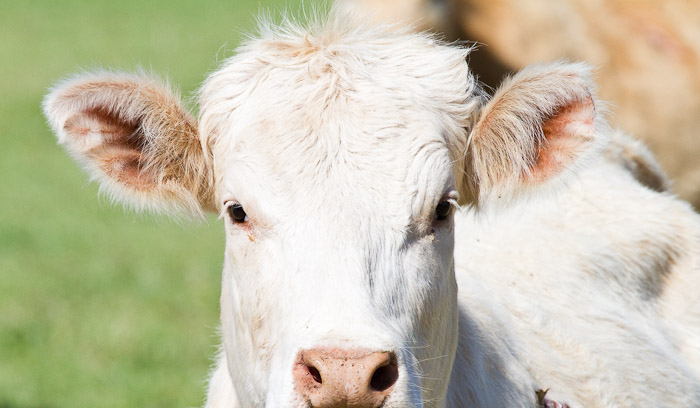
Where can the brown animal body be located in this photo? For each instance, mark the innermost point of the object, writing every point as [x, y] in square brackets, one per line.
[647, 53]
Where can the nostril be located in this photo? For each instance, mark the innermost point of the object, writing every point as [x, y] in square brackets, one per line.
[330, 377]
[385, 376]
[315, 374]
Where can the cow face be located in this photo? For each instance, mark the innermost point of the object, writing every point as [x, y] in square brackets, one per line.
[336, 158]
[335, 180]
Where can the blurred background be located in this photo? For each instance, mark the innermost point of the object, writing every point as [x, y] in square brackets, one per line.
[100, 307]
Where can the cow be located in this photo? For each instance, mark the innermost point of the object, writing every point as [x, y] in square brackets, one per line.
[647, 54]
[396, 238]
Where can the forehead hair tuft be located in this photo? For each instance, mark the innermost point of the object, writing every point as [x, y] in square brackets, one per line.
[333, 57]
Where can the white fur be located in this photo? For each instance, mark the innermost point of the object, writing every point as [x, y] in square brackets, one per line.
[301, 129]
[339, 142]
[583, 281]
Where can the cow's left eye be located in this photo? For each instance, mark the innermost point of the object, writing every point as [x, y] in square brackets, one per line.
[237, 213]
[442, 210]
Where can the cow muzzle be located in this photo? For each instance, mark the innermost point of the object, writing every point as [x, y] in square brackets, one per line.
[339, 378]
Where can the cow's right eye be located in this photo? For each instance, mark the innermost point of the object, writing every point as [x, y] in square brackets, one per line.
[237, 213]
[442, 210]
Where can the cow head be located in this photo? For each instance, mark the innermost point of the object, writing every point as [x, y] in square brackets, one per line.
[336, 158]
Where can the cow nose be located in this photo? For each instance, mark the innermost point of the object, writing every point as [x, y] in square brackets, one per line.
[336, 378]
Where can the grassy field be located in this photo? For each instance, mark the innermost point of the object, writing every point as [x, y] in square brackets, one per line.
[99, 307]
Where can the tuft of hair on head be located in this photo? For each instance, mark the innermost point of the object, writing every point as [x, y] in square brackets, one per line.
[131, 134]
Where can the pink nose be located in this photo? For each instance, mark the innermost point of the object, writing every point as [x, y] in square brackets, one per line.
[336, 378]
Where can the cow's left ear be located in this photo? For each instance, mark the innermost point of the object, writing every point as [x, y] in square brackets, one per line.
[131, 134]
[539, 127]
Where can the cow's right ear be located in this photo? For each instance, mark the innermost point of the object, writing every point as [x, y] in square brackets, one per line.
[540, 127]
[131, 133]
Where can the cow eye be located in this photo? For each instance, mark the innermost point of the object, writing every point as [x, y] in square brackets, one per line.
[442, 210]
[237, 213]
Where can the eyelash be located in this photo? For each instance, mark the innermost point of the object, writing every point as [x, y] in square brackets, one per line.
[446, 206]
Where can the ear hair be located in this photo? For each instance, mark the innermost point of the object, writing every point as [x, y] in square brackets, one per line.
[130, 132]
[539, 127]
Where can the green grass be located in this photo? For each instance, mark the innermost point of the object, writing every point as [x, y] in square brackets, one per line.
[100, 307]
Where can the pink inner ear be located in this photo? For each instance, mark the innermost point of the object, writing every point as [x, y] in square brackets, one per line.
[567, 133]
[113, 144]
[94, 127]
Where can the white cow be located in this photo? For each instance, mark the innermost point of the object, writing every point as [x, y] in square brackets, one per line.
[339, 157]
